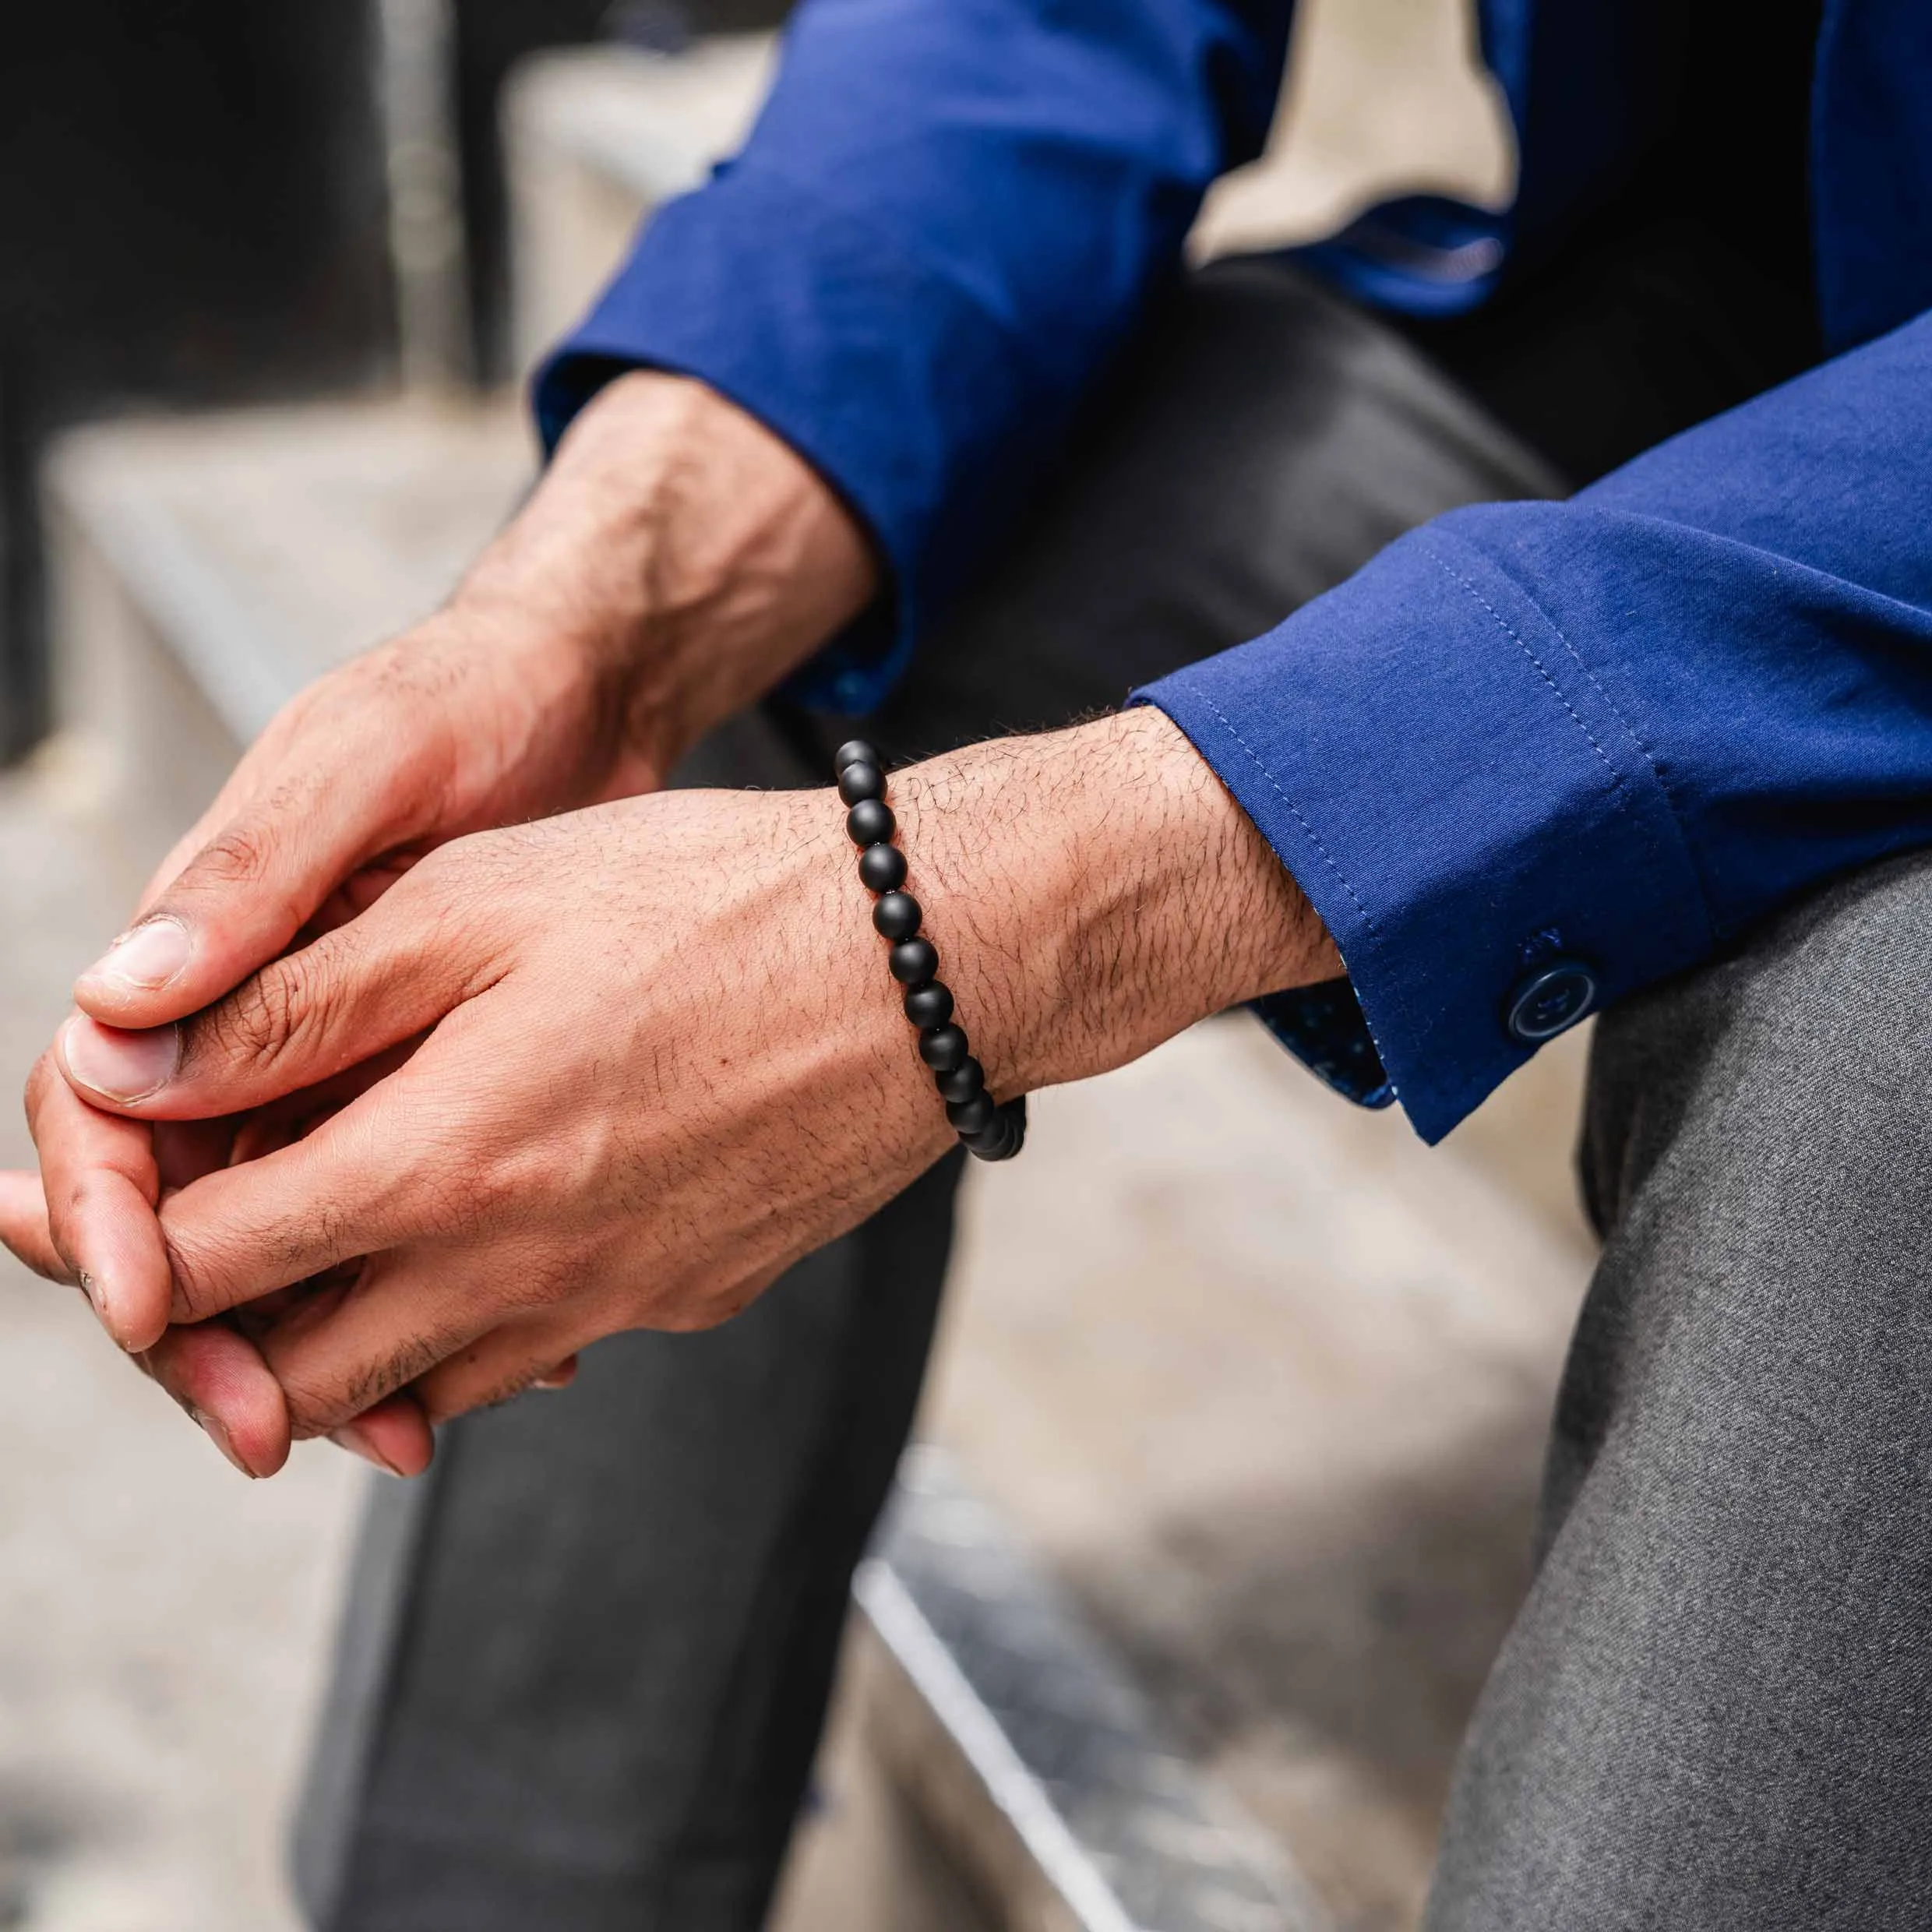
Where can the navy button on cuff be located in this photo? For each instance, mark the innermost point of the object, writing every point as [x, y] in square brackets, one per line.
[1550, 1001]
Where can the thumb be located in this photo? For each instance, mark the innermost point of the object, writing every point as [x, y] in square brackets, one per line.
[247, 892]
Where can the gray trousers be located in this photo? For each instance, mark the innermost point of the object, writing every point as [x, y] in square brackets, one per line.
[585, 1661]
[1713, 1709]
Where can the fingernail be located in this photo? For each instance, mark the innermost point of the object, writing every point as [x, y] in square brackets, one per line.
[97, 1297]
[120, 1065]
[218, 1435]
[148, 956]
[352, 1438]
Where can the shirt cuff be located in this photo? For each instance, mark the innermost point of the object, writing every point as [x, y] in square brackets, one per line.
[883, 374]
[1487, 841]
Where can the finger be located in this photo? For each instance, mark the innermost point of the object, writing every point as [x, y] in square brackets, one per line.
[361, 890]
[394, 1166]
[185, 1149]
[280, 1123]
[537, 1352]
[101, 1184]
[261, 873]
[219, 1377]
[409, 1312]
[24, 1228]
[395, 1436]
[303, 1020]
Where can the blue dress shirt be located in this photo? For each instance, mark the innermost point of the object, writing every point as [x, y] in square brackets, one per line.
[1533, 757]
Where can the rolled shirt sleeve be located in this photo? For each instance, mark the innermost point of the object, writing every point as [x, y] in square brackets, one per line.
[945, 223]
[1579, 747]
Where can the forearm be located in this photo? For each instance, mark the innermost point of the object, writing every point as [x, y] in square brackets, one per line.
[940, 233]
[678, 555]
[1093, 892]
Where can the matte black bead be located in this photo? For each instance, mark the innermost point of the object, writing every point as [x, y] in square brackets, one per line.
[861, 782]
[1000, 1141]
[965, 1080]
[914, 961]
[896, 915]
[854, 751]
[942, 1047]
[869, 822]
[972, 1117]
[883, 868]
[927, 1005]
[1007, 1135]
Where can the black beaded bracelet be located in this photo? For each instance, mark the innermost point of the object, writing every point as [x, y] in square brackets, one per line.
[992, 1129]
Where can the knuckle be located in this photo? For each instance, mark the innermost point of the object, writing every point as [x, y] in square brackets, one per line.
[486, 1191]
[454, 876]
[314, 1407]
[239, 855]
[196, 1290]
[259, 1022]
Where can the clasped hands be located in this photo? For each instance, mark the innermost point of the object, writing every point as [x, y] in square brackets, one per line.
[444, 1046]
[582, 1075]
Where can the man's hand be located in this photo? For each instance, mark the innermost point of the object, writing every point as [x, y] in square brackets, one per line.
[676, 560]
[661, 1059]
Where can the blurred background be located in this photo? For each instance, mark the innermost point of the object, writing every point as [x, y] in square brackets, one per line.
[1237, 1434]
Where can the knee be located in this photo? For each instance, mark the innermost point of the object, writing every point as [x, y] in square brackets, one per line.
[1711, 1710]
[1786, 1087]
[1759, 1153]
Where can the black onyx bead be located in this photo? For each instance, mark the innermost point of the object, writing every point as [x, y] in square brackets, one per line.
[974, 1116]
[942, 1047]
[854, 751]
[869, 822]
[896, 915]
[914, 961]
[927, 1005]
[965, 1080]
[861, 782]
[883, 868]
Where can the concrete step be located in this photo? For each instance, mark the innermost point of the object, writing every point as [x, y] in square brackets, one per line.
[204, 569]
[1018, 1752]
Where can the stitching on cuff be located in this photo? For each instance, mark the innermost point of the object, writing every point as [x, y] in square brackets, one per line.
[1503, 624]
[1618, 779]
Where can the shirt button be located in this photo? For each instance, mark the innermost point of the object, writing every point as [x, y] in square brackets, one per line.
[1549, 1000]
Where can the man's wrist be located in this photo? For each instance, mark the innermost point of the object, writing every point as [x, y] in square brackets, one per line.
[685, 558]
[1095, 891]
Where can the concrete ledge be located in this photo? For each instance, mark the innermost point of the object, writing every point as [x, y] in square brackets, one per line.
[593, 139]
[1027, 1753]
[205, 569]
